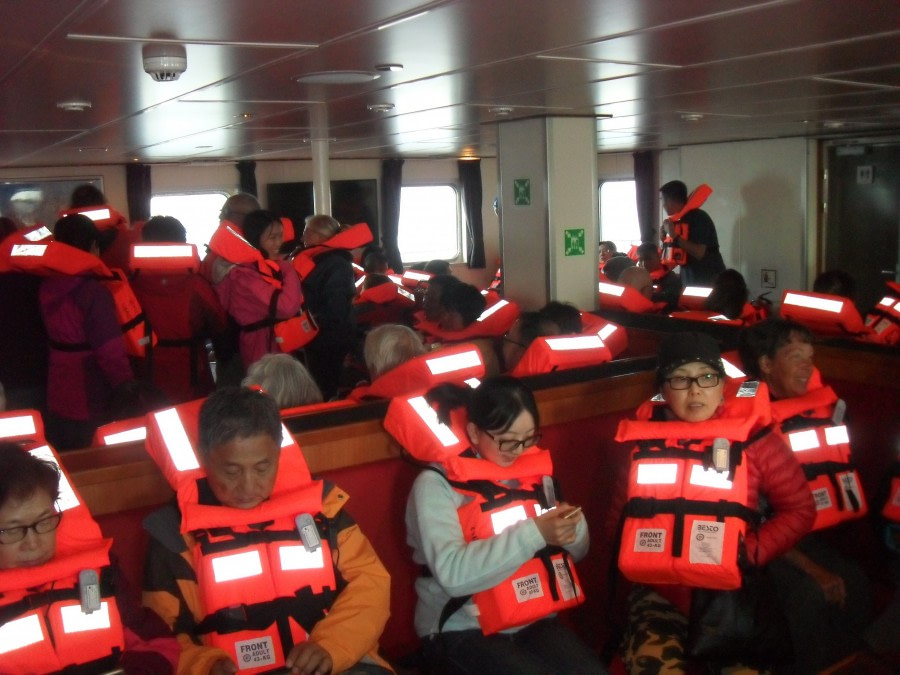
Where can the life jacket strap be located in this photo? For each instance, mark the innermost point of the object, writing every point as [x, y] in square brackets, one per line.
[305, 607]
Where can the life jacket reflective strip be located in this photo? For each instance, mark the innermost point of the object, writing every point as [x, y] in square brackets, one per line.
[822, 313]
[347, 239]
[706, 315]
[687, 493]
[104, 216]
[18, 426]
[54, 258]
[261, 589]
[493, 322]
[884, 321]
[545, 584]
[812, 426]
[731, 361]
[694, 297]
[290, 334]
[628, 298]
[384, 294]
[613, 335]
[491, 297]
[122, 431]
[415, 278]
[164, 257]
[548, 354]
[673, 255]
[454, 363]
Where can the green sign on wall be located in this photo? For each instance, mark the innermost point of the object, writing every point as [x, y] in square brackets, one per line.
[574, 241]
[522, 191]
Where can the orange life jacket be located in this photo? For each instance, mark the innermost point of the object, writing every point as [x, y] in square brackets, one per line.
[706, 315]
[694, 297]
[813, 427]
[104, 216]
[454, 363]
[43, 627]
[687, 510]
[290, 334]
[628, 298]
[121, 431]
[884, 321]
[415, 278]
[54, 258]
[501, 496]
[493, 322]
[261, 589]
[823, 313]
[671, 254]
[562, 352]
[347, 239]
[390, 298]
[613, 335]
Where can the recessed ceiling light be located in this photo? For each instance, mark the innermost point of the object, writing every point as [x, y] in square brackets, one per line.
[501, 110]
[389, 67]
[833, 124]
[338, 77]
[380, 107]
[243, 116]
[691, 117]
[74, 105]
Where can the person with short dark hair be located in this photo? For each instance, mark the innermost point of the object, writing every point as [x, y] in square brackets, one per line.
[460, 613]
[614, 267]
[46, 544]
[431, 304]
[835, 282]
[527, 328]
[88, 361]
[324, 599]
[461, 304]
[164, 229]
[607, 250]
[564, 314]
[729, 295]
[704, 261]
[438, 268]
[695, 401]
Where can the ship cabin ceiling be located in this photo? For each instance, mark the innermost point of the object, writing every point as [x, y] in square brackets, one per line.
[432, 79]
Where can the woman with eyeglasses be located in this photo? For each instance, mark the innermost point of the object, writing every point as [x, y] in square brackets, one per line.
[704, 460]
[484, 522]
[62, 604]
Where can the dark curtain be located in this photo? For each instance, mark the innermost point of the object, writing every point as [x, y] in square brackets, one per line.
[470, 179]
[247, 172]
[645, 193]
[391, 182]
[137, 185]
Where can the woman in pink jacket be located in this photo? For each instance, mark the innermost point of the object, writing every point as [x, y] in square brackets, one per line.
[255, 286]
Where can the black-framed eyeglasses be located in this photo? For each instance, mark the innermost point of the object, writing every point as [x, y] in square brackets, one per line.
[11, 535]
[511, 445]
[704, 381]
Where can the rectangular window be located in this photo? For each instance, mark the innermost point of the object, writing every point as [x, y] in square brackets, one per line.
[198, 212]
[429, 223]
[618, 214]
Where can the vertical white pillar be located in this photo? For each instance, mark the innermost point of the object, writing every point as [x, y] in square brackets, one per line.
[320, 159]
[549, 210]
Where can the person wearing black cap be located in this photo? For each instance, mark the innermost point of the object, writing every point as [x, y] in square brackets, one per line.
[715, 537]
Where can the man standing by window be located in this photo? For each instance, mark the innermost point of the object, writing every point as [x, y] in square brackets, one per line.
[701, 244]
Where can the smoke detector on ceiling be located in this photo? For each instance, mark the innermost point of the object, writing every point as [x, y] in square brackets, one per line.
[164, 62]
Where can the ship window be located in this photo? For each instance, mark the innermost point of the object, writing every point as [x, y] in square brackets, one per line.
[197, 211]
[429, 223]
[618, 214]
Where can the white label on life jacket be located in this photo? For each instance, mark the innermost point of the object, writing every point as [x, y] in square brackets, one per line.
[503, 519]
[67, 497]
[822, 499]
[298, 558]
[836, 435]
[657, 474]
[566, 587]
[528, 588]
[236, 566]
[253, 653]
[76, 621]
[707, 542]
[886, 301]
[20, 425]
[650, 540]
[175, 437]
[429, 416]
[803, 440]
[20, 633]
[709, 478]
[447, 364]
[747, 389]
